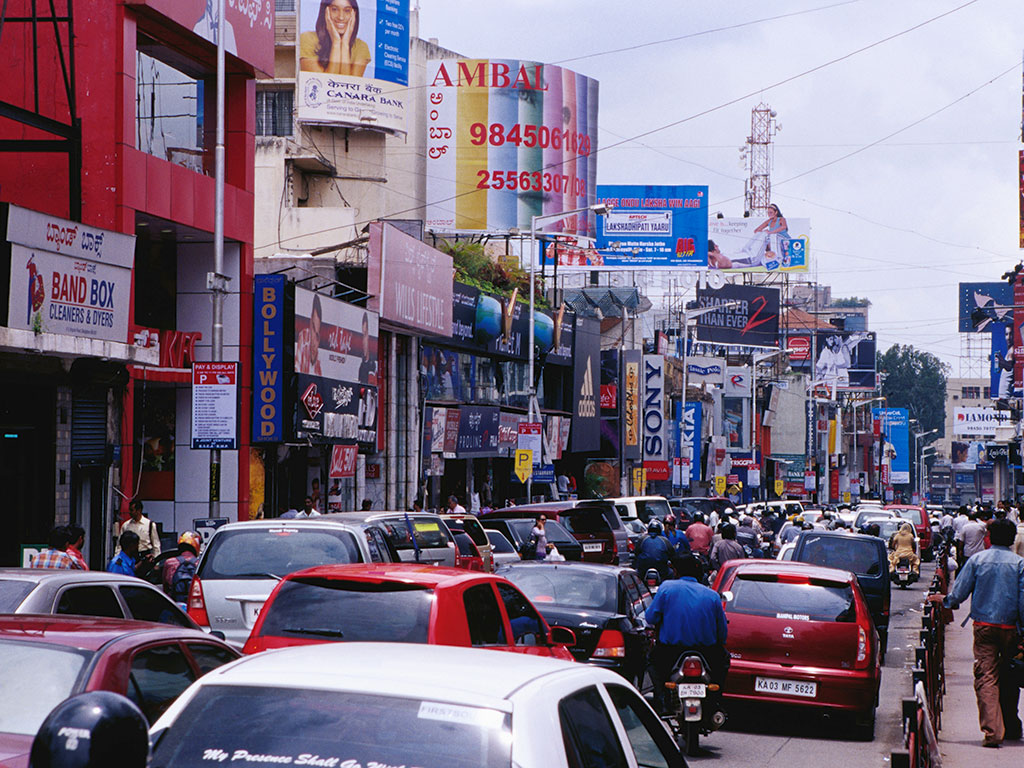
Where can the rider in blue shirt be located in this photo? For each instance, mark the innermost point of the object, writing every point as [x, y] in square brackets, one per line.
[676, 538]
[127, 559]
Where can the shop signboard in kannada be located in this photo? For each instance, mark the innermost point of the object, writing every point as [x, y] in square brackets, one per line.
[651, 227]
[336, 367]
[353, 64]
[215, 406]
[752, 321]
[68, 278]
[478, 431]
[772, 244]
[507, 140]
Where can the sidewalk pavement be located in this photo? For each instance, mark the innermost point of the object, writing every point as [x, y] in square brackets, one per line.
[960, 737]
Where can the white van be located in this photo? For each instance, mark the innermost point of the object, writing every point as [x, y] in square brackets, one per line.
[642, 507]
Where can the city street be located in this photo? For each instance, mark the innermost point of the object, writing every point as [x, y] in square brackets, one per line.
[775, 737]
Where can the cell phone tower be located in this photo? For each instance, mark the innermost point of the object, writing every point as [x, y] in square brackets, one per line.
[759, 154]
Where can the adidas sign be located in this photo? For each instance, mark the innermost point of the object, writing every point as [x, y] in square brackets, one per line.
[586, 407]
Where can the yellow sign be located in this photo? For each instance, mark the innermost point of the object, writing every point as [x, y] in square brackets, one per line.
[632, 404]
[720, 483]
[638, 480]
[780, 486]
[846, 497]
[524, 464]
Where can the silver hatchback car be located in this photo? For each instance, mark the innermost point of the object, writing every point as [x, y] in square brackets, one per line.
[244, 561]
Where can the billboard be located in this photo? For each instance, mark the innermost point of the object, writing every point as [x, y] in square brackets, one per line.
[586, 417]
[966, 456]
[67, 277]
[983, 304]
[632, 364]
[336, 363]
[1001, 362]
[895, 440]
[775, 244]
[655, 435]
[353, 63]
[753, 322]
[846, 359]
[652, 227]
[248, 25]
[708, 371]
[412, 281]
[268, 359]
[1020, 168]
[979, 421]
[508, 140]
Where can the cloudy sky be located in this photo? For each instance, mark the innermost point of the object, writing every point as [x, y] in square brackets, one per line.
[900, 124]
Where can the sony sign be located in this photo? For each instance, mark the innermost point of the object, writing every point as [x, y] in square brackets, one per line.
[655, 448]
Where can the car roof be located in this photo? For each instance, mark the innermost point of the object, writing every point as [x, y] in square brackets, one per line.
[594, 568]
[408, 573]
[793, 567]
[40, 575]
[88, 633]
[320, 521]
[441, 672]
[617, 499]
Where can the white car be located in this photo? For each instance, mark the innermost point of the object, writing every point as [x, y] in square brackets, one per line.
[429, 706]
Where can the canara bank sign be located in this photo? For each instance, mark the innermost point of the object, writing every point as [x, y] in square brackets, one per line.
[979, 421]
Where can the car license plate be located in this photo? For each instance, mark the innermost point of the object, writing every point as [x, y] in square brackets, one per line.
[251, 612]
[691, 690]
[786, 687]
[593, 546]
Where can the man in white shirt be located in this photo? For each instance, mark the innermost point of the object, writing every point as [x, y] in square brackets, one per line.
[143, 527]
[454, 508]
[973, 537]
[307, 509]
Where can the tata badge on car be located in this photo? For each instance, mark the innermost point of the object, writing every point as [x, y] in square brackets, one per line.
[655, 447]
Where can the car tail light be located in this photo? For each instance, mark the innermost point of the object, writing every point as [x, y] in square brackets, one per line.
[630, 545]
[862, 647]
[693, 667]
[611, 645]
[197, 604]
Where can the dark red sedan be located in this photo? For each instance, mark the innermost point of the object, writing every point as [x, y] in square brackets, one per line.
[404, 603]
[46, 659]
[800, 634]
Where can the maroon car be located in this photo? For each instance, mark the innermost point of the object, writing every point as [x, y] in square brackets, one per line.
[46, 659]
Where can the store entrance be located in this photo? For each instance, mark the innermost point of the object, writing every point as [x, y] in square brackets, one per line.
[24, 514]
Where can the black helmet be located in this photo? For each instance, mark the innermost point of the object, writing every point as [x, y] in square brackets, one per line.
[654, 527]
[92, 730]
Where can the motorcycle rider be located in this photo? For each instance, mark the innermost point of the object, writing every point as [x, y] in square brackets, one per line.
[675, 537]
[903, 544]
[727, 548]
[654, 551]
[687, 616]
[700, 534]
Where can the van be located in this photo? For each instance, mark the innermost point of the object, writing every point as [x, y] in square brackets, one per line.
[864, 556]
[642, 507]
[471, 527]
[418, 537]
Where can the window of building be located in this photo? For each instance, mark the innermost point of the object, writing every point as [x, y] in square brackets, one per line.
[987, 393]
[168, 106]
[971, 393]
[284, 6]
[274, 108]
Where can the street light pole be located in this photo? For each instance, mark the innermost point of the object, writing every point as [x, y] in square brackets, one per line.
[532, 408]
[757, 360]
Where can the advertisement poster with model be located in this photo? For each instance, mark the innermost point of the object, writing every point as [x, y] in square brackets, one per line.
[770, 243]
[353, 63]
[507, 140]
[845, 360]
[894, 424]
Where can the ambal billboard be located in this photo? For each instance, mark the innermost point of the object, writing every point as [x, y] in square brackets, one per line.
[353, 63]
[773, 244]
[508, 140]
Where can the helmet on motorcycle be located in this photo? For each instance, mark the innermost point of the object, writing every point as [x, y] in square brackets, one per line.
[698, 517]
[654, 528]
[190, 539]
[92, 730]
[670, 519]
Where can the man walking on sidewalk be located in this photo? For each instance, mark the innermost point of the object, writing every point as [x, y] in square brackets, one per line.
[994, 580]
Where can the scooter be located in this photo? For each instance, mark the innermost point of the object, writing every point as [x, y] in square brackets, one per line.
[692, 702]
[903, 574]
[653, 580]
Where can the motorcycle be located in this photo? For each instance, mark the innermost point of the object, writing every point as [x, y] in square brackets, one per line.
[693, 702]
[903, 574]
[653, 580]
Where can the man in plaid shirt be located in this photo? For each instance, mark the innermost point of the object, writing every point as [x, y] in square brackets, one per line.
[55, 555]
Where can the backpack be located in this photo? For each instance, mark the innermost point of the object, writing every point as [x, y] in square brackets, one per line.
[182, 579]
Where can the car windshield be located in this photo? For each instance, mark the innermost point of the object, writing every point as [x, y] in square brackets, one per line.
[12, 592]
[555, 533]
[255, 553]
[465, 545]
[810, 600]
[36, 678]
[648, 508]
[563, 586]
[292, 725]
[854, 553]
[499, 543]
[911, 515]
[430, 533]
[581, 520]
[336, 609]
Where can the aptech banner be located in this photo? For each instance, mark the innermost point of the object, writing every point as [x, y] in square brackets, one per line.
[753, 322]
[775, 244]
[895, 437]
[651, 227]
[508, 140]
[353, 63]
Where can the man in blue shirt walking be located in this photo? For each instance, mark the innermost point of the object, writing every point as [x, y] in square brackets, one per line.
[687, 616]
[994, 580]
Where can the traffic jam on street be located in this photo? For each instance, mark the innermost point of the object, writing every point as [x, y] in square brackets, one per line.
[412, 384]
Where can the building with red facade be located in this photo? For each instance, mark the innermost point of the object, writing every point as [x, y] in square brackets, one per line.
[116, 132]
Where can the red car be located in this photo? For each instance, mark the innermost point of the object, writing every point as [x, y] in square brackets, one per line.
[49, 658]
[918, 517]
[800, 634]
[404, 603]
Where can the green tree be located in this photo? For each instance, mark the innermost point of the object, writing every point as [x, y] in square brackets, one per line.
[915, 380]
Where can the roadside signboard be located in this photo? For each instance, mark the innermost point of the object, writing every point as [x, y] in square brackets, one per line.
[215, 406]
[531, 436]
[524, 464]
[206, 526]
